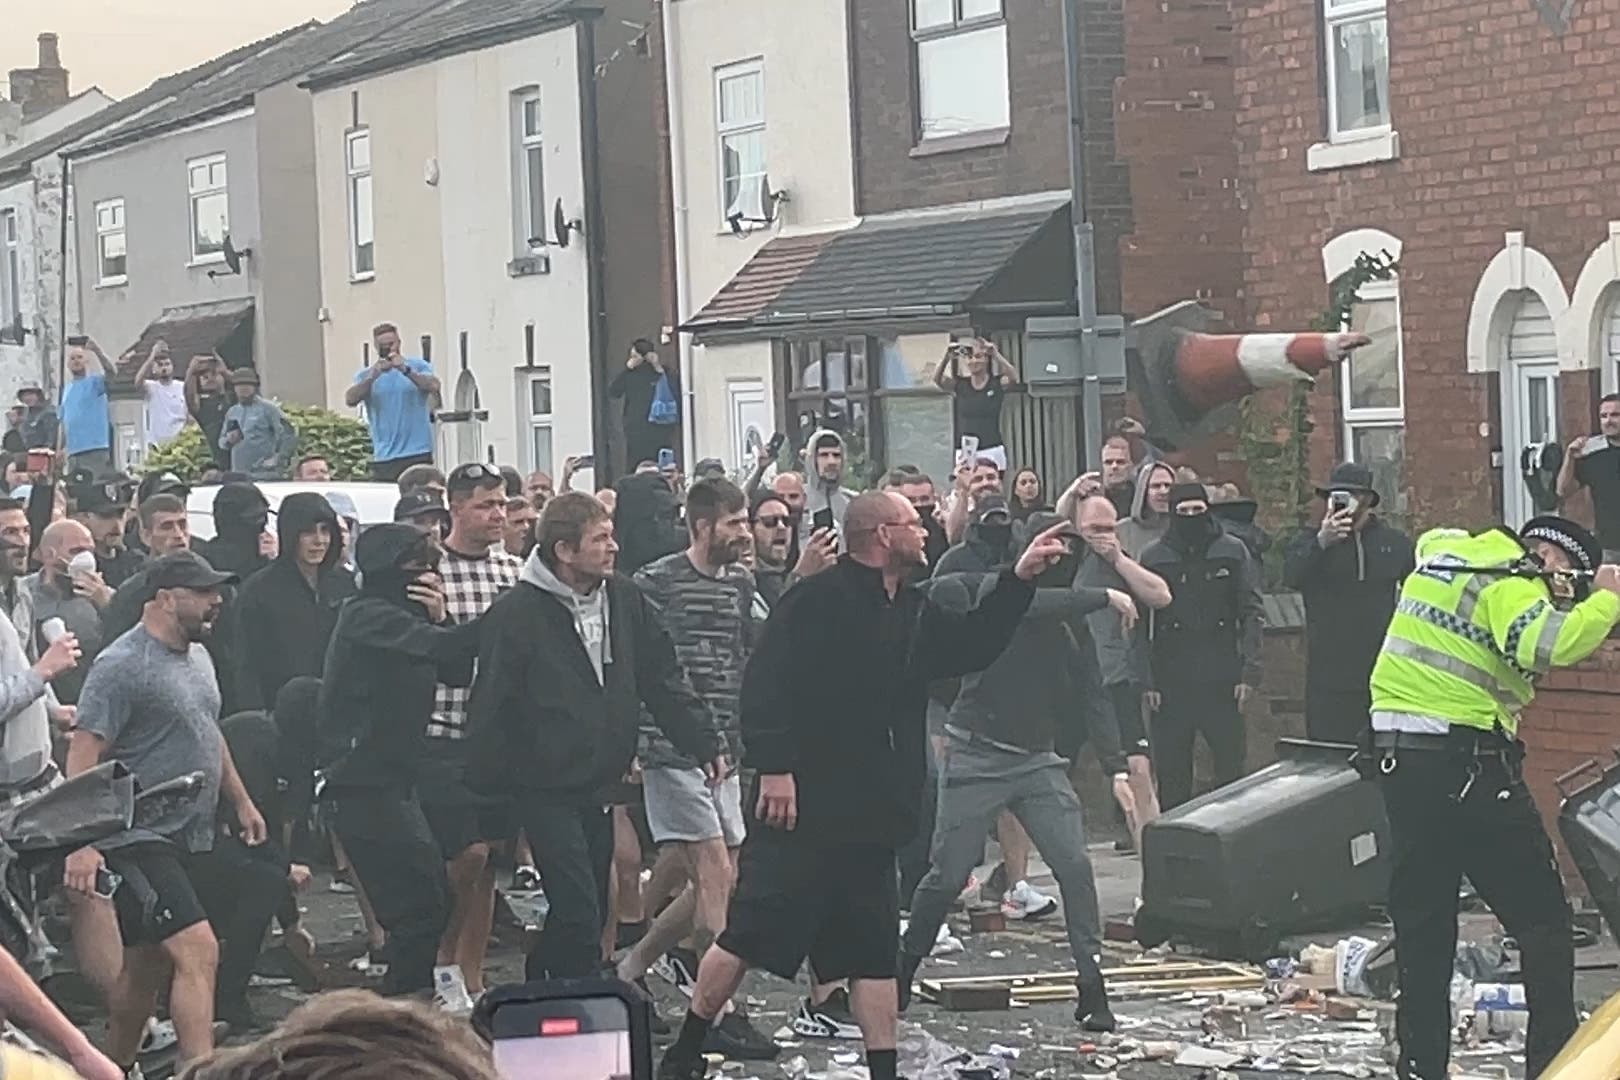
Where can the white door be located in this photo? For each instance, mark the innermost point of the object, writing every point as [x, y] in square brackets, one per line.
[1529, 400]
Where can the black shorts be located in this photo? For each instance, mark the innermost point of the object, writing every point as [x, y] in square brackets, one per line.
[458, 826]
[1133, 734]
[836, 904]
[156, 900]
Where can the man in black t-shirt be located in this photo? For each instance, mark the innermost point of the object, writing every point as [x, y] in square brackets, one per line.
[1593, 462]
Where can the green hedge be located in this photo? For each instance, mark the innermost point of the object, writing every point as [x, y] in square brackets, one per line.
[342, 440]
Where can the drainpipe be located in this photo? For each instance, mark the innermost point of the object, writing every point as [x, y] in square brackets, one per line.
[62, 290]
[595, 236]
[683, 283]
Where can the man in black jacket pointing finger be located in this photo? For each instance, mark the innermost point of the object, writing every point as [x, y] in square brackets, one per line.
[840, 775]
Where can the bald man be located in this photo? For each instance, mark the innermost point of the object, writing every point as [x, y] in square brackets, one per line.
[832, 720]
[77, 597]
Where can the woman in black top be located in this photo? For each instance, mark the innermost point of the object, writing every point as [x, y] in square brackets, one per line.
[1026, 494]
[978, 376]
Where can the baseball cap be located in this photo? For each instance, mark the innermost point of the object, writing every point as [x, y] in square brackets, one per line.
[99, 499]
[186, 570]
[710, 467]
[244, 375]
[472, 477]
[988, 504]
[418, 503]
[163, 483]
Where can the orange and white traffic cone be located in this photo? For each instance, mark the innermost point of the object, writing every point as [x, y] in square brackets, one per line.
[1186, 375]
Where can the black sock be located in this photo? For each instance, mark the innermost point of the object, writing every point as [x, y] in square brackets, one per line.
[882, 1064]
[688, 1044]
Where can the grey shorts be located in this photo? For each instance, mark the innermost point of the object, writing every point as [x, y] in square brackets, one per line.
[682, 807]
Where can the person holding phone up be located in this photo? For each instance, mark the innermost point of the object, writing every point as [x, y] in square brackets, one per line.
[975, 373]
[1350, 570]
[1593, 462]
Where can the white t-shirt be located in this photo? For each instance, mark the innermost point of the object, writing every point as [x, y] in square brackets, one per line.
[165, 410]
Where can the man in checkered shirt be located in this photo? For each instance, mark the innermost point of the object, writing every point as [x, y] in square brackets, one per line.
[476, 570]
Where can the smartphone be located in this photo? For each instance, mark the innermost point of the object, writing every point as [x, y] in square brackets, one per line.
[970, 449]
[568, 1029]
[41, 461]
[78, 340]
[822, 519]
[666, 459]
[1594, 444]
[774, 447]
[1340, 502]
[585, 461]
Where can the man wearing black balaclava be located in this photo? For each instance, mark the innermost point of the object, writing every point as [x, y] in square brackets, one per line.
[241, 514]
[392, 645]
[987, 543]
[1204, 649]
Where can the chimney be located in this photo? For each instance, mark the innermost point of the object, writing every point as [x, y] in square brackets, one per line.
[40, 89]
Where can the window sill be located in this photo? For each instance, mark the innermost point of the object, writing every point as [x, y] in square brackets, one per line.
[113, 282]
[357, 279]
[969, 140]
[529, 265]
[1362, 150]
[206, 260]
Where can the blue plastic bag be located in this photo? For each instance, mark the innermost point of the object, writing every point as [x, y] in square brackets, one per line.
[664, 409]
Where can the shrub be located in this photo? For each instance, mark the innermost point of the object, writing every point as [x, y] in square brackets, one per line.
[342, 440]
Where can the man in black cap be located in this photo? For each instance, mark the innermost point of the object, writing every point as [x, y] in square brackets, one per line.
[426, 510]
[40, 426]
[1204, 648]
[1482, 618]
[1350, 570]
[256, 431]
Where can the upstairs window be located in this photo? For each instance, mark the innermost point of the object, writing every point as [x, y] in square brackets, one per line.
[1356, 43]
[528, 172]
[961, 66]
[112, 260]
[362, 232]
[10, 270]
[210, 208]
[740, 126]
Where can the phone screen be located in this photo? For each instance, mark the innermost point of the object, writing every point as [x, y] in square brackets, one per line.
[666, 458]
[822, 519]
[563, 1039]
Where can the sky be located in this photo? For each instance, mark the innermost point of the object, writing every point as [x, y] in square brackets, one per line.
[122, 45]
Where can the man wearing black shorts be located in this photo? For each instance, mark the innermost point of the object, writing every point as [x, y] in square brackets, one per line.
[152, 702]
[840, 774]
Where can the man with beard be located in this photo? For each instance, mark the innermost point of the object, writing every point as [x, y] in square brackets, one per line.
[285, 612]
[566, 661]
[824, 455]
[841, 773]
[1204, 648]
[772, 523]
[151, 702]
[166, 411]
[391, 648]
[704, 599]
[1013, 731]
[974, 481]
[76, 596]
[917, 488]
[99, 508]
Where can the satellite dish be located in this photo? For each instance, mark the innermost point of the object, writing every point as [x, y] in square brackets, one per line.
[561, 226]
[754, 206]
[233, 257]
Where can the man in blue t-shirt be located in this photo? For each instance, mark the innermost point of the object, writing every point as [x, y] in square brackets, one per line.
[86, 430]
[399, 393]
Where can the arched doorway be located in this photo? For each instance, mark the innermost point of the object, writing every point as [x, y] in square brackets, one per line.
[1529, 397]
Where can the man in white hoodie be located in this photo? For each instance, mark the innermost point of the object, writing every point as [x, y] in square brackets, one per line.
[824, 490]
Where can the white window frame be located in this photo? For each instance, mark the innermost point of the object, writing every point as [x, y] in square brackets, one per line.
[198, 192]
[1337, 13]
[724, 129]
[528, 181]
[353, 175]
[534, 421]
[965, 19]
[10, 268]
[1359, 419]
[106, 230]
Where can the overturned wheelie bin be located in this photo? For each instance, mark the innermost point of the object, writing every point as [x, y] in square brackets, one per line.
[1301, 845]
[1589, 824]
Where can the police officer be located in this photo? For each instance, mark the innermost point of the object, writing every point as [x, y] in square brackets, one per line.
[1483, 617]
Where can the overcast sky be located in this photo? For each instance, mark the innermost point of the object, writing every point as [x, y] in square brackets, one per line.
[122, 45]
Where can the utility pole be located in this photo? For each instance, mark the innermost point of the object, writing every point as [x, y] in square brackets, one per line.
[1085, 246]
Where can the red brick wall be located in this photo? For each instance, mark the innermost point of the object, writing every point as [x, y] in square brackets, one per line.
[1503, 126]
[1571, 721]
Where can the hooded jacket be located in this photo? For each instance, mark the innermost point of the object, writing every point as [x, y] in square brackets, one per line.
[284, 625]
[561, 681]
[645, 521]
[382, 665]
[977, 553]
[1237, 518]
[822, 494]
[1144, 526]
[241, 513]
[1210, 633]
[1044, 693]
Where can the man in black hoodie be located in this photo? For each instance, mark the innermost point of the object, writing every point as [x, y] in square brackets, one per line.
[566, 659]
[241, 514]
[1204, 648]
[285, 613]
[1011, 735]
[840, 775]
[387, 654]
[1350, 569]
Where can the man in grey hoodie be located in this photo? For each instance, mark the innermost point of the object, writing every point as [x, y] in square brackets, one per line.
[824, 490]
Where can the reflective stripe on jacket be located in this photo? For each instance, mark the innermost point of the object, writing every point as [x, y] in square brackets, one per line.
[1467, 647]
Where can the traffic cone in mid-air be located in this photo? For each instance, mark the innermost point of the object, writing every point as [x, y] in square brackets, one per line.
[1183, 376]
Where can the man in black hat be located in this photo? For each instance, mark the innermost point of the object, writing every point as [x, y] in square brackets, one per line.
[256, 431]
[40, 426]
[1204, 648]
[426, 510]
[1350, 570]
[1482, 618]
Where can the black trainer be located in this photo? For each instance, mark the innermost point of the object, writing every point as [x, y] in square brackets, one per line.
[737, 1039]
[1092, 1011]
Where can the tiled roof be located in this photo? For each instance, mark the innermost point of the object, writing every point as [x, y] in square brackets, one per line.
[160, 92]
[885, 267]
[296, 53]
[191, 330]
[448, 27]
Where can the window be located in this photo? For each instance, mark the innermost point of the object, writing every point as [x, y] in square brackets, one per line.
[1372, 394]
[539, 396]
[112, 261]
[528, 173]
[1356, 44]
[210, 208]
[961, 66]
[362, 234]
[10, 270]
[740, 124]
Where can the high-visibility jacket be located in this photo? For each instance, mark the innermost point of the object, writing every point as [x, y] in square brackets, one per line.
[1466, 648]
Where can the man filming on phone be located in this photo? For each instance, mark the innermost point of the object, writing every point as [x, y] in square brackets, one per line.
[1593, 462]
[399, 392]
[1350, 570]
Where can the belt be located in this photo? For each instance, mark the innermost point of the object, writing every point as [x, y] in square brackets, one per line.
[1481, 744]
